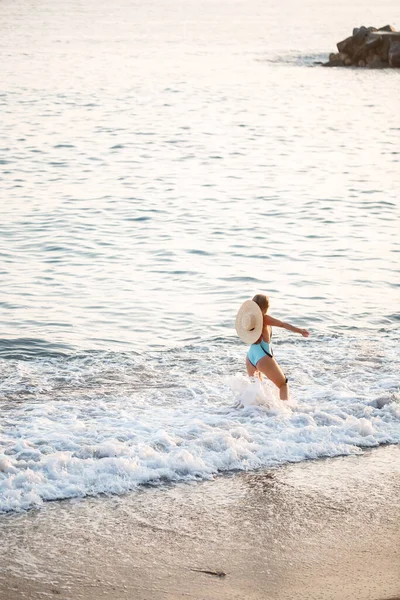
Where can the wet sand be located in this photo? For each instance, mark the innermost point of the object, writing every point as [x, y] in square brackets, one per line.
[323, 530]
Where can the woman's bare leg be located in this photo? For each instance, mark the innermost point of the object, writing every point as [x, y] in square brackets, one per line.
[284, 393]
[251, 370]
[272, 370]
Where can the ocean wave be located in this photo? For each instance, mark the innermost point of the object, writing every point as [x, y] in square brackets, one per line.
[31, 348]
[107, 422]
[296, 59]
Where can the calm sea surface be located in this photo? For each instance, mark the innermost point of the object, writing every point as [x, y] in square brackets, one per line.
[160, 163]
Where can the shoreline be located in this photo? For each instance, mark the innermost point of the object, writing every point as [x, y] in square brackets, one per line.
[323, 530]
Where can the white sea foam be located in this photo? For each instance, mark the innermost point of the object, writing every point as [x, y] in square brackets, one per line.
[80, 437]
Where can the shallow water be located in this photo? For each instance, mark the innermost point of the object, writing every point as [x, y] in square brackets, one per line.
[160, 164]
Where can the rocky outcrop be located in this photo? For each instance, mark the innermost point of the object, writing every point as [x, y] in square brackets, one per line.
[394, 54]
[368, 47]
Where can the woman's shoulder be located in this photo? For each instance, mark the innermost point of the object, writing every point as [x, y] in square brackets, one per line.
[266, 321]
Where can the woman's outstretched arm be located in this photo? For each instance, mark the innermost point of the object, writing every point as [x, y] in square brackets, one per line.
[268, 320]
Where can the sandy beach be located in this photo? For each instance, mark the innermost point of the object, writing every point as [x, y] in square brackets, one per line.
[323, 530]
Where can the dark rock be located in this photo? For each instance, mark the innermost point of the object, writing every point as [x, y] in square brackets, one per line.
[383, 49]
[368, 46]
[374, 62]
[361, 34]
[373, 42]
[394, 54]
[387, 38]
[345, 45]
[351, 44]
[387, 28]
[336, 60]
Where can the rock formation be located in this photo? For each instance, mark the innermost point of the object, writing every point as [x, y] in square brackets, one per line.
[368, 47]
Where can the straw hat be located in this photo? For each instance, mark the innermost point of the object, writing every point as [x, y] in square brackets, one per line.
[249, 322]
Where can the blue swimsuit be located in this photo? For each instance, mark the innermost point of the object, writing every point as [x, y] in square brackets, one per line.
[258, 351]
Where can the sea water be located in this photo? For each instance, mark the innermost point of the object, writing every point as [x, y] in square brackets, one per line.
[161, 163]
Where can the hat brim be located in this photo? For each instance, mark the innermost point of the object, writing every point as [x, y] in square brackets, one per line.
[249, 308]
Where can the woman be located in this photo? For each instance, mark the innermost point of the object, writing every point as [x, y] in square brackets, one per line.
[254, 326]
